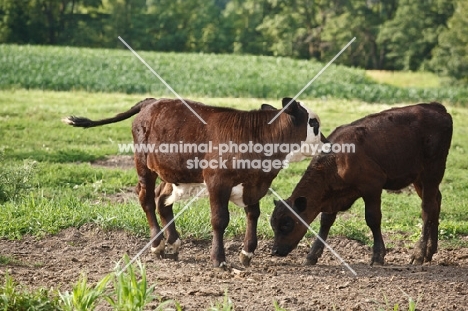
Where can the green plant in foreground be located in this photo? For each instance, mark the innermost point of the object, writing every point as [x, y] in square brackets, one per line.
[277, 306]
[130, 293]
[83, 297]
[169, 305]
[226, 305]
[411, 303]
[13, 298]
[396, 307]
[6, 260]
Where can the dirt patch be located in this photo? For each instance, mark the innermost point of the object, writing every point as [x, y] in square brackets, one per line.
[57, 261]
[122, 162]
[407, 190]
[116, 161]
[125, 195]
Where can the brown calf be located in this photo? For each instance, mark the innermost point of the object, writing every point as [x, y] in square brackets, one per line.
[393, 149]
[168, 121]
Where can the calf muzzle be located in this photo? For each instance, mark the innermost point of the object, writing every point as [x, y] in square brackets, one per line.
[281, 251]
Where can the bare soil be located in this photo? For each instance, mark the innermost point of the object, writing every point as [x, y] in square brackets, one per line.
[57, 261]
[116, 161]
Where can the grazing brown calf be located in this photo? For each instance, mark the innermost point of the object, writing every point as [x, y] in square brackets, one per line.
[170, 122]
[393, 149]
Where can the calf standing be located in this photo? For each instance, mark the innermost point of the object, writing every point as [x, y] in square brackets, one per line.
[393, 149]
[170, 122]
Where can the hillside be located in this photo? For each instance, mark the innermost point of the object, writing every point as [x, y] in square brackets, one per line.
[206, 75]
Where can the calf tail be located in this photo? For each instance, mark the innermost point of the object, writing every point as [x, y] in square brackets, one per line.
[85, 122]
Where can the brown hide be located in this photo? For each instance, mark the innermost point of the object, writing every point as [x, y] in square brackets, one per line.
[169, 121]
[393, 149]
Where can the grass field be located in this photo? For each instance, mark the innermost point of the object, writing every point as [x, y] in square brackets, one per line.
[65, 190]
[406, 78]
[47, 182]
[207, 75]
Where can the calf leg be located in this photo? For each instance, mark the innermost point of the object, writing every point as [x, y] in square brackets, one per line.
[145, 188]
[326, 221]
[426, 247]
[219, 199]
[250, 241]
[166, 215]
[373, 220]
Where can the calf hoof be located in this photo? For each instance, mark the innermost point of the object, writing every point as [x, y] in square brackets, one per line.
[245, 258]
[222, 267]
[377, 260]
[417, 260]
[418, 256]
[310, 262]
[173, 256]
[159, 250]
[172, 250]
[423, 252]
[376, 263]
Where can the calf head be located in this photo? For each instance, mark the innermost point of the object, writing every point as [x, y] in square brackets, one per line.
[288, 229]
[313, 128]
[314, 135]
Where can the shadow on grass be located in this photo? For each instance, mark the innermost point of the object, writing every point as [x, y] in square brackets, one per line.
[62, 156]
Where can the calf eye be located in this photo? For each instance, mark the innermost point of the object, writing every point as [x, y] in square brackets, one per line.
[286, 225]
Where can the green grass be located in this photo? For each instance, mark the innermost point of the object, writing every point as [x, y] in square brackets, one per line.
[202, 75]
[67, 191]
[406, 78]
[10, 260]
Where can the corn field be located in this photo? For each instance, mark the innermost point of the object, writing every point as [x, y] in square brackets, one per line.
[204, 75]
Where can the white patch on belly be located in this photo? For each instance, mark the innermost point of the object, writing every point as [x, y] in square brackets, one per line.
[184, 192]
[187, 191]
[237, 195]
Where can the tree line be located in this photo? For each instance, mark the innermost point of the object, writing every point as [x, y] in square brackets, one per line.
[391, 35]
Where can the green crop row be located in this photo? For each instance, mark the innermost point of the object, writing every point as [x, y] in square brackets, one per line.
[206, 75]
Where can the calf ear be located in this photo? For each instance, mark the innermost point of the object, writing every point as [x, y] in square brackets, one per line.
[267, 107]
[275, 202]
[294, 109]
[300, 204]
[315, 124]
[290, 102]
